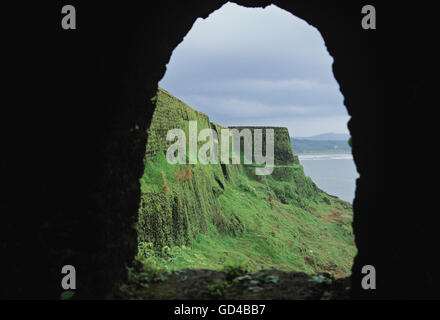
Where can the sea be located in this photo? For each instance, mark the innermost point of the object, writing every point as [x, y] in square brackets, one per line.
[334, 173]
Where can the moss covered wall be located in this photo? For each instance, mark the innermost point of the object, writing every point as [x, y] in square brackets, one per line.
[180, 201]
[170, 113]
[283, 154]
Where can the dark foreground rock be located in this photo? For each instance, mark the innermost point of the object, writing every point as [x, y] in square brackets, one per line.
[213, 285]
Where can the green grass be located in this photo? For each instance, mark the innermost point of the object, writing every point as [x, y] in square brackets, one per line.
[200, 216]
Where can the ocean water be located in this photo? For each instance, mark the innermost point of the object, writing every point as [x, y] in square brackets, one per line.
[334, 173]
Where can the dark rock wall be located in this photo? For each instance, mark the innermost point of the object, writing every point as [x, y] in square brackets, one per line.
[77, 109]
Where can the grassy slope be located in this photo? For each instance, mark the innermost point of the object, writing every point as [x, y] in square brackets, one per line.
[199, 216]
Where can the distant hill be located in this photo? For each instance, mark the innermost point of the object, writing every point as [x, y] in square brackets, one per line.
[327, 137]
[304, 146]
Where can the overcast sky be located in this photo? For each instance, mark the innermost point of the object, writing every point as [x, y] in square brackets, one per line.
[253, 66]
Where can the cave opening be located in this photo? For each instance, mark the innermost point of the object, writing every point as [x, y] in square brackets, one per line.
[215, 217]
[114, 62]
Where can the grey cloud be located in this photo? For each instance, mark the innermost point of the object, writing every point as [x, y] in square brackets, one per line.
[258, 65]
[239, 108]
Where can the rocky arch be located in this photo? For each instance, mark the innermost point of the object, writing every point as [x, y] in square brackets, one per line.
[92, 129]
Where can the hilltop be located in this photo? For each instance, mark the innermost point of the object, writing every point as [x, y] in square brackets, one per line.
[227, 219]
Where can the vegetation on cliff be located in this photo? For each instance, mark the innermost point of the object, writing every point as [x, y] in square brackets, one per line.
[219, 216]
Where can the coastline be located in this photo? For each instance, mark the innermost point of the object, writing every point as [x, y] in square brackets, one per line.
[325, 156]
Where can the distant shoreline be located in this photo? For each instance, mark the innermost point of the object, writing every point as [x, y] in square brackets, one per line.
[322, 153]
[325, 156]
